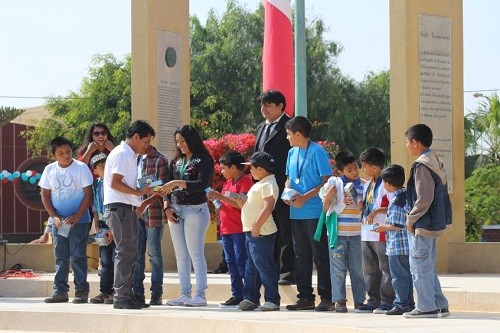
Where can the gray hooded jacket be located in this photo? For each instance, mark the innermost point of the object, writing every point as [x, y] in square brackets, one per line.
[428, 201]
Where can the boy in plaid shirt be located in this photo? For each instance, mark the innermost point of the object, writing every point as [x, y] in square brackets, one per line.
[397, 248]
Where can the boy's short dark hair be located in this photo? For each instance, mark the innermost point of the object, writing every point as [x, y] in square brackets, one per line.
[373, 156]
[421, 133]
[140, 127]
[299, 124]
[59, 141]
[394, 175]
[233, 158]
[273, 96]
[343, 158]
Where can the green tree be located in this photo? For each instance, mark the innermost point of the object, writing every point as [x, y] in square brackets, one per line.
[481, 193]
[226, 70]
[226, 78]
[8, 113]
[104, 96]
[483, 130]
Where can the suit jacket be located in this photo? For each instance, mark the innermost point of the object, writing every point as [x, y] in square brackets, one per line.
[277, 145]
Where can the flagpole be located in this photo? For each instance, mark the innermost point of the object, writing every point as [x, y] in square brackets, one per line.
[300, 60]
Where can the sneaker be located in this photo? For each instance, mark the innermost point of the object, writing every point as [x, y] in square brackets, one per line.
[395, 311]
[233, 302]
[178, 301]
[325, 305]
[100, 299]
[143, 305]
[301, 304]
[341, 307]
[138, 298]
[444, 312]
[110, 300]
[156, 299]
[269, 306]
[81, 296]
[128, 303]
[365, 308]
[196, 301]
[57, 298]
[383, 308]
[418, 314]
[247, 305]
[358, 305]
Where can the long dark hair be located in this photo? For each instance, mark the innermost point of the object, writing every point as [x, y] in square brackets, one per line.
[89, 136]
[193, 141]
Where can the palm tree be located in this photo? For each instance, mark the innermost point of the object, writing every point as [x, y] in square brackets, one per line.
[483, 129]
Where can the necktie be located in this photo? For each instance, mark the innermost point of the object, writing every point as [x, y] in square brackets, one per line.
[266, 136]
[268, 131]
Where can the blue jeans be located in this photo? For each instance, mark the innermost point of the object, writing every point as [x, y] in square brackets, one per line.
[402, 282]
[347, 256]
[235, 253]
[151, 236]
[107, 254]
[377, 274]
[308, 251]
[74, 247]
[260, 269]
[188, 238]
[425, 280]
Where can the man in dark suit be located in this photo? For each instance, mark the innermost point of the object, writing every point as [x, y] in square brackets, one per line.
[271, 138]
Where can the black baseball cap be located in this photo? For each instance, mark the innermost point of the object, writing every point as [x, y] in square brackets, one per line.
[263, 160]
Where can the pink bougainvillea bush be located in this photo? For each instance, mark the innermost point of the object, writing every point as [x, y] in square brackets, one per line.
[242, 143]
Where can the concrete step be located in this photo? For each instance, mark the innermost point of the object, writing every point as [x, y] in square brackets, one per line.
[465, 292]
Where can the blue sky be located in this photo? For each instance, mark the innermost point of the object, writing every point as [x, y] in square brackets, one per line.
[46, 46]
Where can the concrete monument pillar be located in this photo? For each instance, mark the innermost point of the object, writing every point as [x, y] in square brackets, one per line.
[160, 67]
[427, 87]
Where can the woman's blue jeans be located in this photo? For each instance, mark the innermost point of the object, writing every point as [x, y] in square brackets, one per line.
[188, 238]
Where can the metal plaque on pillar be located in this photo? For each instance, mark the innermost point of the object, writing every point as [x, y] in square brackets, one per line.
[169, 60]
[435, 86]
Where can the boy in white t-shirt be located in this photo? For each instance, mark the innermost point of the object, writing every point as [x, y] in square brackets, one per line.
[375, 262]
[260, 230]
[66, 191]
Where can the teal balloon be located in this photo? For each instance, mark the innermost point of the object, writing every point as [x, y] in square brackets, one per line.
[38, 175]
[24, 177]
[10, 177]
[1, 176]
[16, 174]
[32, 180]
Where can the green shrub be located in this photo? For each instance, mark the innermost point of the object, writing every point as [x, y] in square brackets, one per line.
[481, 195]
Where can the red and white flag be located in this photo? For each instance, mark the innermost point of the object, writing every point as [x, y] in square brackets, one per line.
[277, 56]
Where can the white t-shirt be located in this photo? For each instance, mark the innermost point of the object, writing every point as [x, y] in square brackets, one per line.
[122, 160]
[250, 211]
[377, 201]
[66, 186]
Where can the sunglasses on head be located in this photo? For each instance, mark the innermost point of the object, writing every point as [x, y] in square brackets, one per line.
[97, 133]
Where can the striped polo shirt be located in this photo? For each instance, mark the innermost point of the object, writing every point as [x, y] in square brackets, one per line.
[349, 221]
